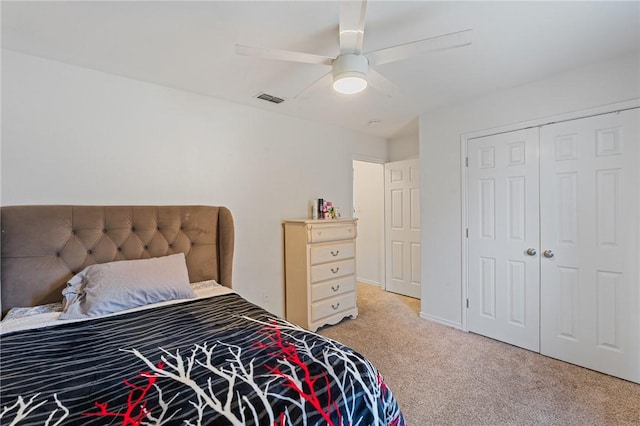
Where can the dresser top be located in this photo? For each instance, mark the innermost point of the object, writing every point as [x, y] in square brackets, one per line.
[327, 221]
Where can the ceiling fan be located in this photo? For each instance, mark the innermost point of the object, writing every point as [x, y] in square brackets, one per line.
[352, 70]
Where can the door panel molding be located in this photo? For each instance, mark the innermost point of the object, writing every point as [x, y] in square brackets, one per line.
[602, 298]
[402, 227]
[613, 218]
[503, 279]
[465, 137]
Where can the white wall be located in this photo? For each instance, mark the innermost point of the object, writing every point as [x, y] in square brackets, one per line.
[404, 148]
[76, 136]
[368, 201]
[599, 84]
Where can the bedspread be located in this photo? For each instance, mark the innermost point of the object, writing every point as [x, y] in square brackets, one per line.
[216, 361]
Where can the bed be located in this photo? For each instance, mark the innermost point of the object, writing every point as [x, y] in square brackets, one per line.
[207, 358]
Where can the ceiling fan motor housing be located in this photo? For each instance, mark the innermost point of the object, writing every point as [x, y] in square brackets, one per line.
[350, 67]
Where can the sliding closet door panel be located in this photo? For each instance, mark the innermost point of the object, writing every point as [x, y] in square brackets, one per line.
[503, 279]
[590, 295]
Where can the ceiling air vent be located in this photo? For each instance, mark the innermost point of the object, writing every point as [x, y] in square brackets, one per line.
[270, 98]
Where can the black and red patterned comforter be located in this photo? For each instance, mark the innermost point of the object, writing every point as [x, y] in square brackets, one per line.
[218, 361]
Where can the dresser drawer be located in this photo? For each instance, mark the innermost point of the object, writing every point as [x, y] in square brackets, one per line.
[330, 252]
[322, 233]
[327, 271]
[333, 288]
[332, 306]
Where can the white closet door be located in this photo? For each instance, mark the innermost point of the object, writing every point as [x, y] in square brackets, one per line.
[402, 227]
[503, 264]
[590, 297]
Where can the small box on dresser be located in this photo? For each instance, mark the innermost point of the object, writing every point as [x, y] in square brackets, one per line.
[320, 271]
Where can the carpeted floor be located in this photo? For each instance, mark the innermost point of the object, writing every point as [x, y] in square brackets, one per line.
[443, 376]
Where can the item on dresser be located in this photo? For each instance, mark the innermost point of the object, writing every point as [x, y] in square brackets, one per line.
[323, 209]
[320, 269]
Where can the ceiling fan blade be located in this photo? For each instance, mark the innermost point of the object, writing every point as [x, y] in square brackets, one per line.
[403, 51]
[325, 80]
[381, 83]
[352, 13]
[283, 55]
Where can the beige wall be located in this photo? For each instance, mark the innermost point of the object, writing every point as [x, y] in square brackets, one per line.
[76, 136]
[368, 203]
[404, 148]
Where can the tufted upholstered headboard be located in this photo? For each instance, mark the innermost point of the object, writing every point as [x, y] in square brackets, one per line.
[43, 246]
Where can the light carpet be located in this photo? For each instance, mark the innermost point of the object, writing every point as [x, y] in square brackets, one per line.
[443, 376]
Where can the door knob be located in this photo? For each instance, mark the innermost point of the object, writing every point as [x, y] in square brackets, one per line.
[531, 251]
[548, 254]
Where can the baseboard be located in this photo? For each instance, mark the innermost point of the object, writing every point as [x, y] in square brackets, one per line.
[360, 280]
[441, 321]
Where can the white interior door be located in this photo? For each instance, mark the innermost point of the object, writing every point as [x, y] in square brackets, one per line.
[402, 227]
[503, 263]
[590, 297]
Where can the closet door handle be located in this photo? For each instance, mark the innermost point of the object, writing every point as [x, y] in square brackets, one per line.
[548, 253]
[531, 251]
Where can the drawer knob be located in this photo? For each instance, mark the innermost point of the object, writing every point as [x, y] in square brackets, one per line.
[336, 306]
[336, 288]
[335, 271]
[334, 254]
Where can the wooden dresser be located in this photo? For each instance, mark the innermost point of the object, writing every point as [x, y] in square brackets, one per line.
[320, 271]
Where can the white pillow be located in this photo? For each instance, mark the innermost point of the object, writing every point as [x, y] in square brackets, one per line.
[115, 286]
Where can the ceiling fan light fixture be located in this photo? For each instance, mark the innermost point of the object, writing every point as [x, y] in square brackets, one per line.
[350, 73]
[350, 84]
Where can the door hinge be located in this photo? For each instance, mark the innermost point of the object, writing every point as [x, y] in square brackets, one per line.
[466, 162]
[467, 303]
[467, 233]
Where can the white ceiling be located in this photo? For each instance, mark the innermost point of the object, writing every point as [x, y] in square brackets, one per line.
[191, 46]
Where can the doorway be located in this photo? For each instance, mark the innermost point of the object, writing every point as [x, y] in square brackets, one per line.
[386, 202]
